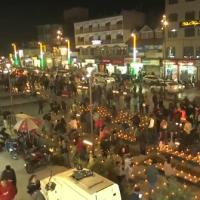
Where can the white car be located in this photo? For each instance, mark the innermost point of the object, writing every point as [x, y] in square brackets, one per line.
[102, 78]
[169, 86]
[150, 79]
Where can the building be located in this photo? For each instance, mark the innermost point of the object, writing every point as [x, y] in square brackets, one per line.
[71, 16]
[48, 33]
[149, 48]
[104, 40]
[182, 40]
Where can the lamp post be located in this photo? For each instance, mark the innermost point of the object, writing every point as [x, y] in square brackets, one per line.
[133, 35]
[68, 51]
[16, 62]
[164, 23]
[41, 46]
[91, 108]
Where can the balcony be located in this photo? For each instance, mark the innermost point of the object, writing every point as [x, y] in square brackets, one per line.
[99, 29]
[114, 41]
[80, 43]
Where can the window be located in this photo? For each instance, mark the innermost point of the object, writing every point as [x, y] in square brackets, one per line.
[189, 32]
[188, 52]
[108, 37]
[172, 33]
[172, 1]
[119, 24]
[173, 17]
[107, 25]
[198, 52]
[90, 28]
[91, 38]
[119, 37]
[190, 15]
[171, 51]
[81, 29]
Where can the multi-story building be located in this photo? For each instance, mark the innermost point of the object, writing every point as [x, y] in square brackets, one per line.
[149, 48]
[182, 39]
[48, 33]
[71, 16]
[105, 39]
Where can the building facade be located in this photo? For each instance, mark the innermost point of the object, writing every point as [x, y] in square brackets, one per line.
[182, 40]
[106, 39]
[71, 16]
[150, 48]
[48, 33]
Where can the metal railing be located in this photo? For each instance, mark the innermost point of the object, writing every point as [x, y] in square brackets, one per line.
[99, 29]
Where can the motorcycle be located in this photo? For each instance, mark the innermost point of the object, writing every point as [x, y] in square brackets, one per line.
[37, 158]
[3, 137]
[12, 146]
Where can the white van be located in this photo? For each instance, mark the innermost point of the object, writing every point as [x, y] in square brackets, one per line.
[79, 185]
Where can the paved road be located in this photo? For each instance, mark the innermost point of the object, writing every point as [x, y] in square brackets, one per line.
[27, 106]
[22, 176]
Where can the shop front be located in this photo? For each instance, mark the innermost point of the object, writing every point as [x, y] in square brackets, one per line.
[187, 71]
[113, 66]
[171, 70]
[181, 70]
[151, 66]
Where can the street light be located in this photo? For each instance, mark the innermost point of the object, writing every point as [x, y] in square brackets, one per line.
[16, 61]
[41, 46]
[68, 51]
[164, 23]
[133, 35]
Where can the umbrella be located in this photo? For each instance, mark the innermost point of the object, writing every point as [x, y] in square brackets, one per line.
[22, 116]
[27, 125]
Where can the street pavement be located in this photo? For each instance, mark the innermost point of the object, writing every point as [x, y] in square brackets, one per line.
[22, 176]
[29, 105]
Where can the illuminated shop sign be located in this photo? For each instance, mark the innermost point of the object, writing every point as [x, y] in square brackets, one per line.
[190, 23]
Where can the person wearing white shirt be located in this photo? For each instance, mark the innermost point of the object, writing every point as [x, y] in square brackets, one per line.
[151, 135]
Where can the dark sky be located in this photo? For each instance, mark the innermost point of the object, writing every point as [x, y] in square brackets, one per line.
[18, 18]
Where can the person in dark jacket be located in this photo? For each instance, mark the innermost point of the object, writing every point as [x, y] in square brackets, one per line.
[136, 195]
[33, 185]
[9, 174]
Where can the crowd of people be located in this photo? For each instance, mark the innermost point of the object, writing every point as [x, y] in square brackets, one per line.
[166, 124]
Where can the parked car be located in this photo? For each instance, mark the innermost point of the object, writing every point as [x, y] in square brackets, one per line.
[169, 86]
[150, 79]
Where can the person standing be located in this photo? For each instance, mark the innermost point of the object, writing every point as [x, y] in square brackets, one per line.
[40, 106]
[34, 188]
[9, 174]
[7, 190]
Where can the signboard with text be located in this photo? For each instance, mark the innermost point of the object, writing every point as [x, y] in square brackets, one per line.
[191, 23]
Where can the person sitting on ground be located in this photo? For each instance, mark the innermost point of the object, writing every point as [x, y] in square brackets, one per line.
[168, 169]
[136, 195]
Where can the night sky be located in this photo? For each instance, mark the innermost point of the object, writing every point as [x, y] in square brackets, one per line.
[19, 18]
